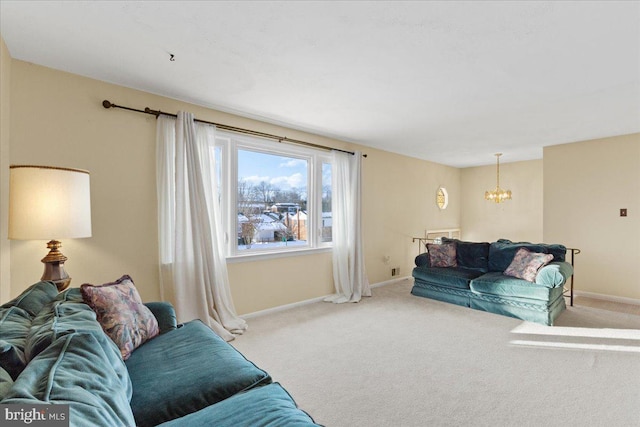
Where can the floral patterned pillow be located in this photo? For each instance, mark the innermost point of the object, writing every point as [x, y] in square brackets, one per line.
[526, 264]
[120, 311]
[443, 255]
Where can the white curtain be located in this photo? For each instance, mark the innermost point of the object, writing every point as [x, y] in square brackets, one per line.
[349, 274]
[193, 268]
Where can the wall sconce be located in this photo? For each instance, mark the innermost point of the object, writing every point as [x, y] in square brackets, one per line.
[442, 198]
[45, 203]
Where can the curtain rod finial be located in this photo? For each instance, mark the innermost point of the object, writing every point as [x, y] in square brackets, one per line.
[107, 104]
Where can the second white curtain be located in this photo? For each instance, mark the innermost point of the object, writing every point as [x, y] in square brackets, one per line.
[349, 275]
[193, 267]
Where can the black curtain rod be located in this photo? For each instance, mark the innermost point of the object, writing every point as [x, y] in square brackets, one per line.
[147, 110]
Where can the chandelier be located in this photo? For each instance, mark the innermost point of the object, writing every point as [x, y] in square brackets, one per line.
[498, 194]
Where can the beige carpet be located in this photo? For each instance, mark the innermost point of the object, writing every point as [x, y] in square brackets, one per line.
[399, 360]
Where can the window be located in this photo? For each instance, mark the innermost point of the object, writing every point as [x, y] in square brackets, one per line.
[276, 197]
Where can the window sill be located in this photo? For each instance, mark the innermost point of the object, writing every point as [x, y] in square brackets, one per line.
[261, 256]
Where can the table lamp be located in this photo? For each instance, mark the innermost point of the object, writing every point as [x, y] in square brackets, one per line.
[45, 203]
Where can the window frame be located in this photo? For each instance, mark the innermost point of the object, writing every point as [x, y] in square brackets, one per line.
[230, 143]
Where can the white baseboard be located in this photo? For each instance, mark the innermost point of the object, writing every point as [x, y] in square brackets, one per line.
[309, 301]
[281, 308]
[604, 297]
[389, 282]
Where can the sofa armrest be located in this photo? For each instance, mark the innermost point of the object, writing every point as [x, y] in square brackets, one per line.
[554, 274]
[164, 314]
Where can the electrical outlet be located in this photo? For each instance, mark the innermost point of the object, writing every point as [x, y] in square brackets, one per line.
[395, 271]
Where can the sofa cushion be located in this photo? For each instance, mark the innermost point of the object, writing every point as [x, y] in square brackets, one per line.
[453, 277]
[14, 328]
[84, 371]
[422, 260]
[185, 370]
[496, 283]
[471, 255]
[5, 383]
[70, 294]
[34, 297]
[559, 252]
[474, 256]
[526, 264]
[443, 255]
[269, 405]
[120, 311]
[501, 253]
[58, 318]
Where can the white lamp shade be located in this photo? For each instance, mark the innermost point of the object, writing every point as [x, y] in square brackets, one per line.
[48, 203]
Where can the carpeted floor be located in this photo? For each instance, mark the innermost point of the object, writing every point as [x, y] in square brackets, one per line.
[399, 360]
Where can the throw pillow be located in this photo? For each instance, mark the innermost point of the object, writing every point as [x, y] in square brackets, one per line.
[526, 264]
[120, 311]
[443, 255]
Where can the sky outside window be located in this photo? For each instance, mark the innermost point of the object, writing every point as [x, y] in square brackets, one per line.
[282, 172]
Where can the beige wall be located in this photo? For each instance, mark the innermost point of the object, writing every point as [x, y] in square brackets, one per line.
[519, 219]
[57, 119]
[5, 116]
[586, 184]
[399, 203]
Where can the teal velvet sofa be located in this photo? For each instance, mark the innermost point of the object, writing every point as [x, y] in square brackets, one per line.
[477, 280]
[54, 351]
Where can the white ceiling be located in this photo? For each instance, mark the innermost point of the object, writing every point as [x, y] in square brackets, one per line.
[450, 82]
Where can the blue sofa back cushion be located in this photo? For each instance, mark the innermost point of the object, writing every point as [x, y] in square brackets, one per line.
[269, 405]
[84, 371]
[501, 252]
[16, 322]
[471, 255]
[197, 379]
[56, 319]
[422, 260]
[34, 297]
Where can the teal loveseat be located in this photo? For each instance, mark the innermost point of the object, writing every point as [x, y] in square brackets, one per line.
[54, 351]
[477, 280]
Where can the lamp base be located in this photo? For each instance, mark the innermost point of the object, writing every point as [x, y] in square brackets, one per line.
[54, 266]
